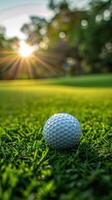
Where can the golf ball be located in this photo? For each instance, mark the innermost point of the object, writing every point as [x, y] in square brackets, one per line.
[62, 131]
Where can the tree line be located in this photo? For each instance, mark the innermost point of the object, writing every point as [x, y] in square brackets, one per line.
[74, 41]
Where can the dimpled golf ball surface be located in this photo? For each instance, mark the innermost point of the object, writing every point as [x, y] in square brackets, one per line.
[62, 131]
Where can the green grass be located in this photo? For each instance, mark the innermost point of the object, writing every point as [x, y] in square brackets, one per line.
[29, 169]
[85, 81]
[99, 81]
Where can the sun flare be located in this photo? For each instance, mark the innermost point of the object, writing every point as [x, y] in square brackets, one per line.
[25, 50]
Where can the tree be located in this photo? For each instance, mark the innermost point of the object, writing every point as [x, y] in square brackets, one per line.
[83, 35]
[98, 37]
[34, 30]
[7, 54]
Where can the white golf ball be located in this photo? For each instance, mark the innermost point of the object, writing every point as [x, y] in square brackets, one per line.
[62, 131]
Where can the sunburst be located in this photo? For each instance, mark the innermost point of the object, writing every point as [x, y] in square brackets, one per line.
[25, 50]
[27, 61]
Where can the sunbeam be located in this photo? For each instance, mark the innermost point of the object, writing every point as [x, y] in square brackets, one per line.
[25, 50]
[27, 62]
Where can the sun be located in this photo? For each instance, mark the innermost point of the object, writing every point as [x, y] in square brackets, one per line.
[25, 50]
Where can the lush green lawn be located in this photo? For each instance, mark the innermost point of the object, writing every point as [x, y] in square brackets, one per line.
[29, 169]
[85, 81]
[99, 81]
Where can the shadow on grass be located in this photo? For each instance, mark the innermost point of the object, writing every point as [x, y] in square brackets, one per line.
[85, 81]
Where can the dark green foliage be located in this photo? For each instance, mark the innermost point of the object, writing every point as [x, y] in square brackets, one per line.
[31, 170]
[98, 40]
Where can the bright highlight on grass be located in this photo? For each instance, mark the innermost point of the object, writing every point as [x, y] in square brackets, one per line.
[25, 50]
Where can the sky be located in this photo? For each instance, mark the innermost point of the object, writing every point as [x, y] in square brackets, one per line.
[15, 13]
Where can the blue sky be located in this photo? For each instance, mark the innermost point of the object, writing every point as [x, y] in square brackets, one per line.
[12, 3]
[15, 13]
